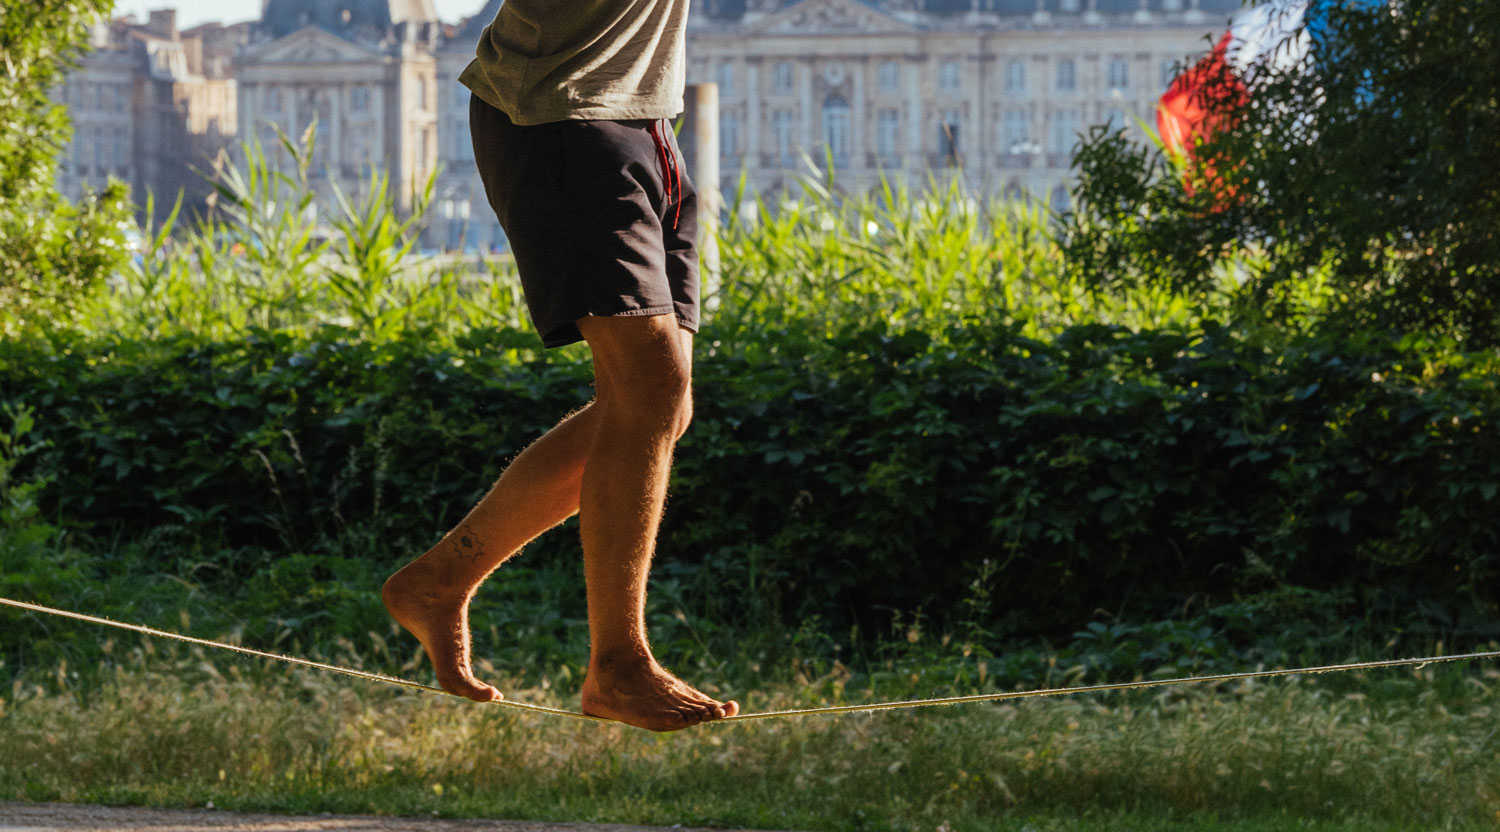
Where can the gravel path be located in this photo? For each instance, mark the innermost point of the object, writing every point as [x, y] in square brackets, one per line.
[68, 817]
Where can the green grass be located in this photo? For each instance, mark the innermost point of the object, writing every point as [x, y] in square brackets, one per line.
[90, 718]
[1414, 749]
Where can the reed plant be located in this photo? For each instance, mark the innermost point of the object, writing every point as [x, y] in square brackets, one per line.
[281, 250]
[927, 259]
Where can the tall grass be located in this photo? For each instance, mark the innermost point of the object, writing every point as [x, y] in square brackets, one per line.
[177, 729]
[926, 260]
[280, 250]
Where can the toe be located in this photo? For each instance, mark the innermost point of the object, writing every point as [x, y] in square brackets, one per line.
[731, 708]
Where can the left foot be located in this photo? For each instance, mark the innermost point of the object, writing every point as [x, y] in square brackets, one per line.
[438, 615]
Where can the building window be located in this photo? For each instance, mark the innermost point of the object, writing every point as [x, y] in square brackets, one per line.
[1119, 74]
[729, 133]
[1069, 5]
[948, 136]
[1064, 130]
[1171, 5]
[836, 128]
[98, 150]
[1067, 75]
[1059, 199]
[359, 99]
[889, 77]
[781, 128]
[273, 100]
[119, 98]
[726, 78]
[119, 154]
[1016, 132]
[888, 132]
[1168, 72]
[1015, 75]
[948, 75]
[422, 94]
[463, 140]
[781, 80]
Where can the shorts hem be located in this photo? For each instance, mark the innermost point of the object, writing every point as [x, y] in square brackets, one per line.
[562, 336]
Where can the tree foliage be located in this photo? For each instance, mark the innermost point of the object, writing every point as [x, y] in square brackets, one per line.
[50, 247]
[1373, 163]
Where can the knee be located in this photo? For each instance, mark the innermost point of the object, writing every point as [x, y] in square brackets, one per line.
[661, 400]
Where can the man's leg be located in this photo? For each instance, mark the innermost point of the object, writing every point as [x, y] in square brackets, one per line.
[541, 488]
[538, 490]
[642, 371]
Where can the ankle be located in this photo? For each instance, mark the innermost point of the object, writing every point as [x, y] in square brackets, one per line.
[621, 659]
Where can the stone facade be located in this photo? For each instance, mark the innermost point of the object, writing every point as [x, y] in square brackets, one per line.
[151, 106]
[365, 71]
[460, 217]
[998, 89]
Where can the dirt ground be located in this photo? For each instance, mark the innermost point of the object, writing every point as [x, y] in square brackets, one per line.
[67, 817]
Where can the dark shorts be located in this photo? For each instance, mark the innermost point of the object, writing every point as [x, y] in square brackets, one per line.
[598, 224]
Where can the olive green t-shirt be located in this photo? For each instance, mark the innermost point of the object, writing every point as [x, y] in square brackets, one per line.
[549, 60]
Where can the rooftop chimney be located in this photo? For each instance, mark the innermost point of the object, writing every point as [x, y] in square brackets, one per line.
[163, 23]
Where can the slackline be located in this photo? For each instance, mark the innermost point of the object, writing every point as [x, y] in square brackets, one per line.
[835, 709]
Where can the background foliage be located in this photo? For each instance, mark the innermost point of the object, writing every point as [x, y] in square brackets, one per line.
[922, 421]
[1369, 168]
[50, 248]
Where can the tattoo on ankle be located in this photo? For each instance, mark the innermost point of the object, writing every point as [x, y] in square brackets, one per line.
[467, 545]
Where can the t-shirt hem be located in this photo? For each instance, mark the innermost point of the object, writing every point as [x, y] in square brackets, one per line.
[523, 116]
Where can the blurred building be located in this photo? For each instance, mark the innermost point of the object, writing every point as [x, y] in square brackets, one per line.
[998, 90]
[151, 106]
[461, 217]
[365, 70]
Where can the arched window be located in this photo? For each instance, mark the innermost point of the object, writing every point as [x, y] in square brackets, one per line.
[1067, 75]
[1015, 75]
[948, 136]
[836, 127]
[948, 74]
[1059, 200]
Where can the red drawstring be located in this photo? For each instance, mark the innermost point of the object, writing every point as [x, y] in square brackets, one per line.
[670, 172]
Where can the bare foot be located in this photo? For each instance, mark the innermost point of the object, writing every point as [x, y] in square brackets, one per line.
[437, 613]
[640, 692]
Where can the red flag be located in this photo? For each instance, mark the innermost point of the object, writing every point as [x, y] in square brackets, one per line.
[1199, 103]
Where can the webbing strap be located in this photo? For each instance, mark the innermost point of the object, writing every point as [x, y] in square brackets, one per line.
[834, 709]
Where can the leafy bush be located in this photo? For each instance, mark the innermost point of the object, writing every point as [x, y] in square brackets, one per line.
[1367, 168]
[51, 250]
[1103, 470]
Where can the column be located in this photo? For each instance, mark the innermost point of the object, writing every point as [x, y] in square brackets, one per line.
[807, 106]
[917, 111]
[857, 120]
[336, 129]
[752, 112]
[975, 147]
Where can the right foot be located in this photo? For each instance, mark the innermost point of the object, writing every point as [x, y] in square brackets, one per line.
[438, 615]
[642, 693]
